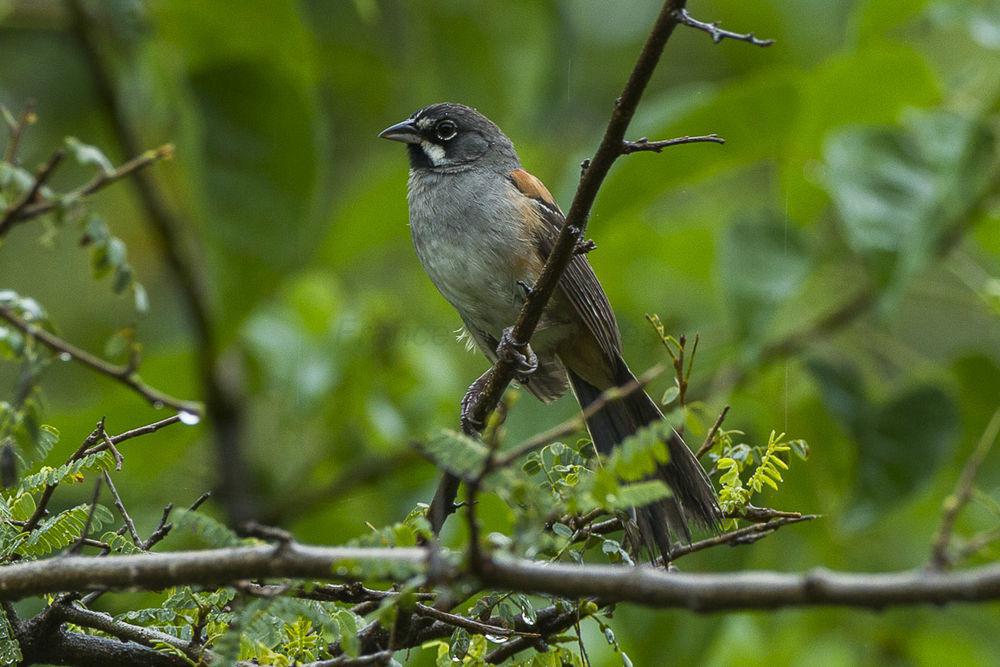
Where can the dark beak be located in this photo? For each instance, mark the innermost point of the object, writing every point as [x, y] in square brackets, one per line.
[405, 131]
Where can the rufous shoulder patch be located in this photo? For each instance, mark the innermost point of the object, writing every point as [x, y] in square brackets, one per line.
[530, 186]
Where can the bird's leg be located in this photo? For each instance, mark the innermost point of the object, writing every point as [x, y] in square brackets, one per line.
[471, 425]
[520, 354]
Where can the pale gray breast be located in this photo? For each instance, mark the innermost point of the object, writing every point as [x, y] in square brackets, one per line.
[460, 223]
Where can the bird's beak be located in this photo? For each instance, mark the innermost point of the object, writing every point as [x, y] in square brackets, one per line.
[405, 131]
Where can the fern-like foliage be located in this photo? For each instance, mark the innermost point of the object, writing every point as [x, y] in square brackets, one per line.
[62, 530]
[48, 476]
[767, 462]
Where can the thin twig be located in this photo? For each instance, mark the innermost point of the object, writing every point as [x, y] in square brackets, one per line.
[16, 131]
[469, 624]
[954, 503]
[108, 443]
[126, 517]
[41, 177]
[122, 374]
[99, 182]
[576, 422]
[710, 437]
[125, 631]
[740, 536]
[717, 33]
[643, 144]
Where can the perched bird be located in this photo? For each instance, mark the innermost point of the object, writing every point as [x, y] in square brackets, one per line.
[483, 227]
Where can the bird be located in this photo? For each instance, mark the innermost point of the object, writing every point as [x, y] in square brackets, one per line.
[482, 227]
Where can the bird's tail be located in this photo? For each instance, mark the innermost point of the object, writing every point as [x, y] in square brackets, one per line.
[693, 499]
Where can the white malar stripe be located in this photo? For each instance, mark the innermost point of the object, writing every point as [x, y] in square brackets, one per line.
[433, 152]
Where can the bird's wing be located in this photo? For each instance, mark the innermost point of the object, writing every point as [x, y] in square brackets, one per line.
[578, 284]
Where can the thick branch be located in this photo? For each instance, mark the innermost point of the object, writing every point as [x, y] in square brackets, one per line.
[745, 590]
[641, 585]
[211, 566]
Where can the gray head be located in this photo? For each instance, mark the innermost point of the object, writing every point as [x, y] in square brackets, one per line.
[453, 137]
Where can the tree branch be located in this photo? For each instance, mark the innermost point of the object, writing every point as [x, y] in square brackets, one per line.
[223, 403]
[44, 173]
[596, 169]
[958, 499]
[99, 182]
[211, 566]
[124, 374]
[644, 144]
[653, 587]
[717, 33]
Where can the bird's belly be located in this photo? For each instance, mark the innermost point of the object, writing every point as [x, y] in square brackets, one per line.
[477, 272]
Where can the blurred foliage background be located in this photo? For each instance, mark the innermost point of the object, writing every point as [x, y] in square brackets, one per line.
[839, 257]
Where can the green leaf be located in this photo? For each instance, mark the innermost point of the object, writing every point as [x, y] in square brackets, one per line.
[64, 529]
[48, 476]
[670, 395]
[899, 192]
[638, 494]
[86, 154]
[10, 648]
[455, 452]
[763, 261]
[562, 530]
[903, 444]
[210, 531]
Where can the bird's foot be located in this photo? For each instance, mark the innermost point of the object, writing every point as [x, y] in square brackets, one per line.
[471, 425]
[520, 354]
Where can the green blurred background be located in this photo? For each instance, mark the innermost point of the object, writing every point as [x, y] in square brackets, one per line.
[839, 257]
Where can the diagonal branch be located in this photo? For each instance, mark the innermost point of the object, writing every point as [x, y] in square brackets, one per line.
[958, 499]
[596, 169]
[125, 374]
[44, 173]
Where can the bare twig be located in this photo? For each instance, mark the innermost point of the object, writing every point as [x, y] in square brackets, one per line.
[113, 441]
[126, 517]
[740, 536]
[717, 33]
[710, 437]
[122, 374]
[474, 626]
[954, 503]
[378, 658]
[643, 144]
[16, 130]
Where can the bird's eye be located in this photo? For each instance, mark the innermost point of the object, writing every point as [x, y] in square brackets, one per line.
[446, 130]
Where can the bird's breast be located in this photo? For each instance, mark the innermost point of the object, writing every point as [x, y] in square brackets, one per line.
[471, 241]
